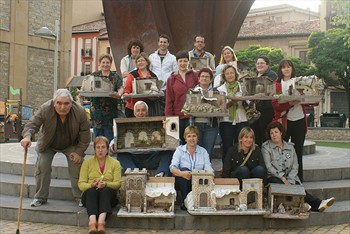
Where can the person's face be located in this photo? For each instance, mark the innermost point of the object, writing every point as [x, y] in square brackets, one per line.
[141, 111]
[62, 105]
[205, 79]
[101, 149]
[163, 43]
[141, 63]
[276, 135]
[287, 71]
[199, 44]
[261, 66]
[182, 64]
[247, 140]
[227, 55]
[230, 75]
[135, 50]
[105, 65]
[191, 139]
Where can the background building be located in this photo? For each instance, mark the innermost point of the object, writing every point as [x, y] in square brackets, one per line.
[27, 60]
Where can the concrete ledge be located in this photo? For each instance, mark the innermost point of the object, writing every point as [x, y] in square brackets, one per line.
[328, 134]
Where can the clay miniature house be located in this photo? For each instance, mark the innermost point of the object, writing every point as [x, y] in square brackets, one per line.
[147, 86]
[96, 87]
[223, 195]
[199, 63]
[146, 134]
[205, 104]
[286, 202]
[258, 86]
[153, 196]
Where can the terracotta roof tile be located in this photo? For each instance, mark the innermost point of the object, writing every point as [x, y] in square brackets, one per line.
[94, 26]
[292, 28]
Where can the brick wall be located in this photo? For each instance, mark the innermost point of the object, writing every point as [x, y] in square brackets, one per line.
[43, 13]
[40, 76]
[4, 69]
[328, 134]
[5, 12]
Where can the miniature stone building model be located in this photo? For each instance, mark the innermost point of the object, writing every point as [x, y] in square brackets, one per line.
[227, 193]
[147, 86]
[202, 187]
[154, 196]
[252, 187]
[257, 86]
[286, 202]
[96, 87]
[146, 134]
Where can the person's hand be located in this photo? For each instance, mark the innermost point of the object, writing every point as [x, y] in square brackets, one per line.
[115, 95]
[101, 184]
[125, 74]
[285, 181]
[229, 104]
[186, 175]
[94, 183]
[112, 149]
[75, 158]
[26, 142]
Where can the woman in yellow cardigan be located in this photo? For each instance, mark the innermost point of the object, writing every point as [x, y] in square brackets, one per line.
[100, 177]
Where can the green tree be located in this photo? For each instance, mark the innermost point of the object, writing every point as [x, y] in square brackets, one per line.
[330, 53]
[247, 57]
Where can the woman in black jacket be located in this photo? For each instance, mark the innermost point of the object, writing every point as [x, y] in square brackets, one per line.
[244, 160]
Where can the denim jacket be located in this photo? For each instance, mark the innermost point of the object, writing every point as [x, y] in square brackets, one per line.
[281, 162]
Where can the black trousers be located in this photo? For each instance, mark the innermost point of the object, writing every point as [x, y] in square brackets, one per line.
[260, 125]
[185, 186]
[98, 201]
[309, 199]
[296, 130]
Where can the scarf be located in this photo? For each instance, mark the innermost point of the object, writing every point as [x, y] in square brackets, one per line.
[231, 91]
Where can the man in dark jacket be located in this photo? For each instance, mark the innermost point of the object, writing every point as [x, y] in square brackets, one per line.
[63, 127]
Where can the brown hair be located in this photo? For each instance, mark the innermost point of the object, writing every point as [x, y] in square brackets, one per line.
[103, 139]
[107, 56]
[208, 70]
[273, 125]
[145, 56]
[282, 64]
[244, 131]
[227, 67]
[191, 129]
[135, 43]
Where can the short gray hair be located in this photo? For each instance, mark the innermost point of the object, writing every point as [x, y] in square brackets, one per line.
[139, 103]
[62, 93]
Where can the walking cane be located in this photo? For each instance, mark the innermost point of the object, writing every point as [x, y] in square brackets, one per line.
[21, 192]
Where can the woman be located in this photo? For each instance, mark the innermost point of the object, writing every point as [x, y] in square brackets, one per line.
[142, 71]
[104, 109]
[176, 89]
[100, 177]
[282, 164]
[265, 106]
[230, 126]
[186, 158]
[128, 63]
[208, 127]
[228, 56]
[244, 160]
[293, 112]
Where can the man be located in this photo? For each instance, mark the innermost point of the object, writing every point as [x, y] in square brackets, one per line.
[159, 160]
[163, 64]
[199, 52]
[63, 127]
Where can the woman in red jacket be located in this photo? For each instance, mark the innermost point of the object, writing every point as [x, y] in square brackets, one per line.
[177, 86]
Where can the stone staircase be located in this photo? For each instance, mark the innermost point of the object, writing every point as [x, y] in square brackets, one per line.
[327, 174]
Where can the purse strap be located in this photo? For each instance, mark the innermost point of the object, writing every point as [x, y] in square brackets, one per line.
[248, 156]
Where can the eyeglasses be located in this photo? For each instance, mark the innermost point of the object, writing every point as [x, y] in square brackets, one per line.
[204, 77]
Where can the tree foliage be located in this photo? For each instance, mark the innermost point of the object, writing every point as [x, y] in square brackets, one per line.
[249, 55]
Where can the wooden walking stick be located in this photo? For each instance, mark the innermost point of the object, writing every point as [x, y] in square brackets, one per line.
[21, 192]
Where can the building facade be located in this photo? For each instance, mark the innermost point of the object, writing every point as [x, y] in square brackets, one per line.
[27, 60]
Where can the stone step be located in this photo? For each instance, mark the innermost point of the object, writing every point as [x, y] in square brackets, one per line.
[68, 213]
[11, 185]
[340, 189]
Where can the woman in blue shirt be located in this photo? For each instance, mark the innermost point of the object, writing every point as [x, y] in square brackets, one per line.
[186, 158]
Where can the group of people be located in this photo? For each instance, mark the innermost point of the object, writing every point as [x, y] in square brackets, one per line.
[258, 150]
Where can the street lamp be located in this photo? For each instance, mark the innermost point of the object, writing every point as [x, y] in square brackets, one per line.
[44, 31]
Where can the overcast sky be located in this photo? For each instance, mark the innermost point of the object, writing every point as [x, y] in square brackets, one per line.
[312, 4]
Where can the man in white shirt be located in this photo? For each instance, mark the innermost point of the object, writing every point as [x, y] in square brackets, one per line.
[199, 52]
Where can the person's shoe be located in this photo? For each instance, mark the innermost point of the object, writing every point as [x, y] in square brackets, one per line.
[92, 229]
[183, 207]
[326, 203]
[100, 228]
[37, 202]
[160, 174]
[307, 207]
[78, 200]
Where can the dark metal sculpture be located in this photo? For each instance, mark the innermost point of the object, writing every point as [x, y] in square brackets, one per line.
[219, 21]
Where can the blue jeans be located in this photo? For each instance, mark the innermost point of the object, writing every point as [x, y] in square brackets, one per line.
[243, 172]
[207, 137]
[159, 160]
[106, 131]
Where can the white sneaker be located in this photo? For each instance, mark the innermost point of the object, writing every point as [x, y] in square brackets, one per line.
[326, 203]
[160, 174]
[307, 207]
[37, 202]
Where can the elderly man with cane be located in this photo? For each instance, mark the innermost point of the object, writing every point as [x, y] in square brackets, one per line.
[63, 127]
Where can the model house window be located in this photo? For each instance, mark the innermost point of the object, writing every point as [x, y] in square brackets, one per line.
[87, 68]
